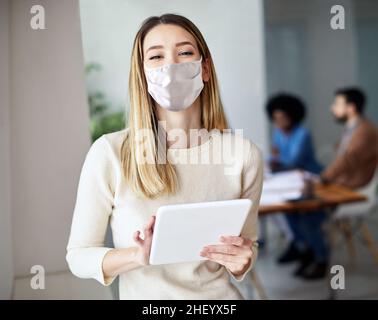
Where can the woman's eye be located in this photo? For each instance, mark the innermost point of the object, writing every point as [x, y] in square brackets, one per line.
[186, 53]
[155, 57]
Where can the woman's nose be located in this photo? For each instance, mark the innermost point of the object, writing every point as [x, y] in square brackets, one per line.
[171, 59]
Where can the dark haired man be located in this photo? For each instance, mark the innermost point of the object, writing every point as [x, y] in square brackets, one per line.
[357, 153]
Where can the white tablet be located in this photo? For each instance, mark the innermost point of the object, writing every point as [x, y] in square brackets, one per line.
[181, 231]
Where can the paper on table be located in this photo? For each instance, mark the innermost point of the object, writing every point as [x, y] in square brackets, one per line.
[270, 198]
[281, 187]
[289, 180]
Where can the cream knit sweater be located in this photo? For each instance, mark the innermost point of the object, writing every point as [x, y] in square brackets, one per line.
[103, 197]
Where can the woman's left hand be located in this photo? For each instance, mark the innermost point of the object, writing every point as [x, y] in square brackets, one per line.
[235, 253]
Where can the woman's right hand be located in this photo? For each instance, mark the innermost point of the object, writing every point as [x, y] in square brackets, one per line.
[144, 245]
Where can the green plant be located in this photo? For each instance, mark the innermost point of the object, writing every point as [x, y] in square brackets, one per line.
[107, 123]
[101, 119]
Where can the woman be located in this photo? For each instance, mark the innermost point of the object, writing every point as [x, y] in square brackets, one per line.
[293, 149]
[128, 174]
[292, 143]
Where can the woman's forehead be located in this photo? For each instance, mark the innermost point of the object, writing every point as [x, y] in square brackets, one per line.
[167, 35]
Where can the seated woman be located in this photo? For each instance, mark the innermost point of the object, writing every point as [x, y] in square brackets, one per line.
[292, 148]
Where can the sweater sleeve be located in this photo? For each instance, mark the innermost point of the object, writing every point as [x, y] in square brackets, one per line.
[252, 182]
[94, 203]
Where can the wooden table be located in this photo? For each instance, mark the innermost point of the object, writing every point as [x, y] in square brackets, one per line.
[326, 197]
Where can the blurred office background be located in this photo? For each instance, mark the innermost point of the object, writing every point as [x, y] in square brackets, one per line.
[62, 87]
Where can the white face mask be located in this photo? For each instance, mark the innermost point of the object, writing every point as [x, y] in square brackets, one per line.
[175, 86]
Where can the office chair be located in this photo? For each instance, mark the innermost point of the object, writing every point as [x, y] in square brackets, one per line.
[350, 220]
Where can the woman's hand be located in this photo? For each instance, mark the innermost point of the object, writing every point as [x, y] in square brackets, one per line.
[121, 260]
[144, 245]
[235, 253]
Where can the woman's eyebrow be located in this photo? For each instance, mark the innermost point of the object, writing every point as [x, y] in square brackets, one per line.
[178, 44]
[154, 47]
[183, 43]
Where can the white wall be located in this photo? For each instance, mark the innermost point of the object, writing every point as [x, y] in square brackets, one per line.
[49, 133]
[366, 12]
[6, 258]
[333, 64]
[232, 29]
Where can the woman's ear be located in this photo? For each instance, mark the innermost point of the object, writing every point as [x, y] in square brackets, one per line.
[206, 70]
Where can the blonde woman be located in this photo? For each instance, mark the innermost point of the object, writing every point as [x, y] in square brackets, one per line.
[156, 161]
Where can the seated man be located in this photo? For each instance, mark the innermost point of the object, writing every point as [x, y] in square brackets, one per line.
[292, 148]
[357, 152]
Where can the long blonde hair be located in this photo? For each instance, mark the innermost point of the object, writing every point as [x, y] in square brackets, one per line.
[152, 179]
